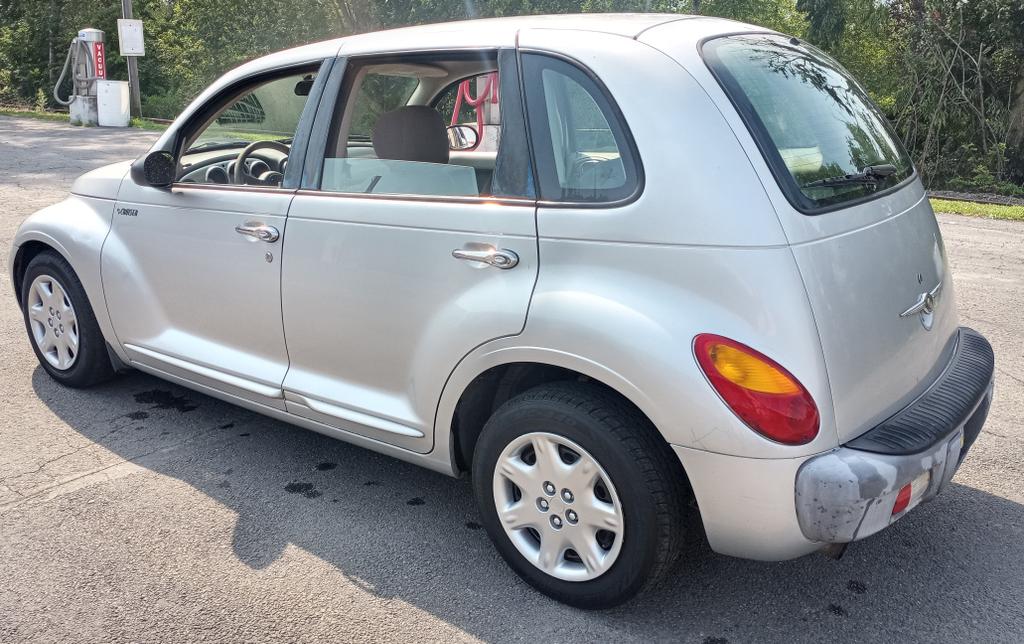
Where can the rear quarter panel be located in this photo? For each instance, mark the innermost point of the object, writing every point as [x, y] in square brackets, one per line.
[634, 309]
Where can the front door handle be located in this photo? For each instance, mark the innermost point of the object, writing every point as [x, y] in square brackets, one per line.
[260, 231]
[498, 258]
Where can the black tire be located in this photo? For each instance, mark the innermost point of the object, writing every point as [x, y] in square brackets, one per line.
[640, 465]
[91, 364]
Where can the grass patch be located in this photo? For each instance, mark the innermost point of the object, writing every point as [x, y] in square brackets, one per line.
[62, 117]
[145, 124]
[44, 116]
[971, 209]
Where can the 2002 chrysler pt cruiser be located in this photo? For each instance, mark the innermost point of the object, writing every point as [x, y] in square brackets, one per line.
[613, 266]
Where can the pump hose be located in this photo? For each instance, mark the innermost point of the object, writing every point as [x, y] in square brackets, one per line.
[64, 71]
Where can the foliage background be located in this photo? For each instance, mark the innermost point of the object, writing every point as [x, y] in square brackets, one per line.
[948, 73]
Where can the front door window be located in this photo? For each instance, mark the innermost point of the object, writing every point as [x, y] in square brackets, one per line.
[248, 140]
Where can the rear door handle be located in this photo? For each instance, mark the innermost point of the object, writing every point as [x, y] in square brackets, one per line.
[260, 231]
[498, 258]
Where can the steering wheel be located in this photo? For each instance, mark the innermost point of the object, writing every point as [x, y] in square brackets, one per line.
[240, 173]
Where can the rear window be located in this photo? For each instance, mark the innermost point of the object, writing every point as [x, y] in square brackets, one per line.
[825, 141]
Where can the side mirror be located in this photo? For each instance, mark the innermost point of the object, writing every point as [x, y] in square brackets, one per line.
[462, 137]
[159, 169]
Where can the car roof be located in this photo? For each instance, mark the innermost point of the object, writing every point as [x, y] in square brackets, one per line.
[461, 34]
[483, 32]
[621, 24]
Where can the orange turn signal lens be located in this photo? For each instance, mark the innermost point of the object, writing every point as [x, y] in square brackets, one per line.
[750, 372]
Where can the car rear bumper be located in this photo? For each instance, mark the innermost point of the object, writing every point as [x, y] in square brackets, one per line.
[775, 509]
[851, 493]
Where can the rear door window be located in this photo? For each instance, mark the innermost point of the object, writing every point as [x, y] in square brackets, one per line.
[825, 141]
[402, 130]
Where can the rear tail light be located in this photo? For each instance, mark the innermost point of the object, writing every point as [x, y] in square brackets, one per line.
[910, 494]
[902, 499]
[757, 389]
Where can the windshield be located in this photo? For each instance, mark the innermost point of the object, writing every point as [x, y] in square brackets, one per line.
[811, 120]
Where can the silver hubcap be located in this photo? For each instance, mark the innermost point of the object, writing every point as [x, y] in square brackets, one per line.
[53, 322]
[558, 506]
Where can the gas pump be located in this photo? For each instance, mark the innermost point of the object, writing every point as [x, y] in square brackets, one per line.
[88, 62]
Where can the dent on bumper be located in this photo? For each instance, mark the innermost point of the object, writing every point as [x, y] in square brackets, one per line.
[849, 494]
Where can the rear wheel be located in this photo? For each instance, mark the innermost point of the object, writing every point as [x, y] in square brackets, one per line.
[580, 494]
[61, 325]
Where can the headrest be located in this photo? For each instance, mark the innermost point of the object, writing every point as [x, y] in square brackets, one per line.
[411, 133]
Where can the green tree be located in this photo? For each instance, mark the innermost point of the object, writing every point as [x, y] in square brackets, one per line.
[948, 73]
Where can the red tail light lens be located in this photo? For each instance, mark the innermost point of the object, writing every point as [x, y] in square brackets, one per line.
[911, 493]
[902, 499]
[763, 394]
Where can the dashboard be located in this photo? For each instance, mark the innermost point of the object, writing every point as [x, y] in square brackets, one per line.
[262, 167]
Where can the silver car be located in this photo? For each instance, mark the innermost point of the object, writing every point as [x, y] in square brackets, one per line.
[646, 278]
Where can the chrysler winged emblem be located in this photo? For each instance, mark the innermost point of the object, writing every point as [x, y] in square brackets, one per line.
[925, 306]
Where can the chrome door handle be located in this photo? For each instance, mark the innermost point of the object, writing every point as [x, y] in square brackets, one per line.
[498, 258]
[261, 232]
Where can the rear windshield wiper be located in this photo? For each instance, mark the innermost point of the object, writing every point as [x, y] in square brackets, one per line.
[870, 174]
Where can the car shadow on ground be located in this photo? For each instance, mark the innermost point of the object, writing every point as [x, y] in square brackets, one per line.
[404, 532]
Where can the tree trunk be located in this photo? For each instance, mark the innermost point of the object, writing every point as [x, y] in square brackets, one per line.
[917, 7]
[355, 16]
[1015, 128]
[49, 41]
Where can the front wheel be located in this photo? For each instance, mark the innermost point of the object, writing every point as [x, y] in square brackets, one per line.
[580, 494]
[61, 325]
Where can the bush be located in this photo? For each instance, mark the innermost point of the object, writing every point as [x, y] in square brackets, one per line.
[971, 170]
[165, 105]
[41, 100]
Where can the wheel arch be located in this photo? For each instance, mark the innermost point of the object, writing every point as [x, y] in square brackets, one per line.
[476, 390]
[33, 245]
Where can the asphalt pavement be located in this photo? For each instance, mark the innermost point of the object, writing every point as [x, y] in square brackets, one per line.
[141, 511]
